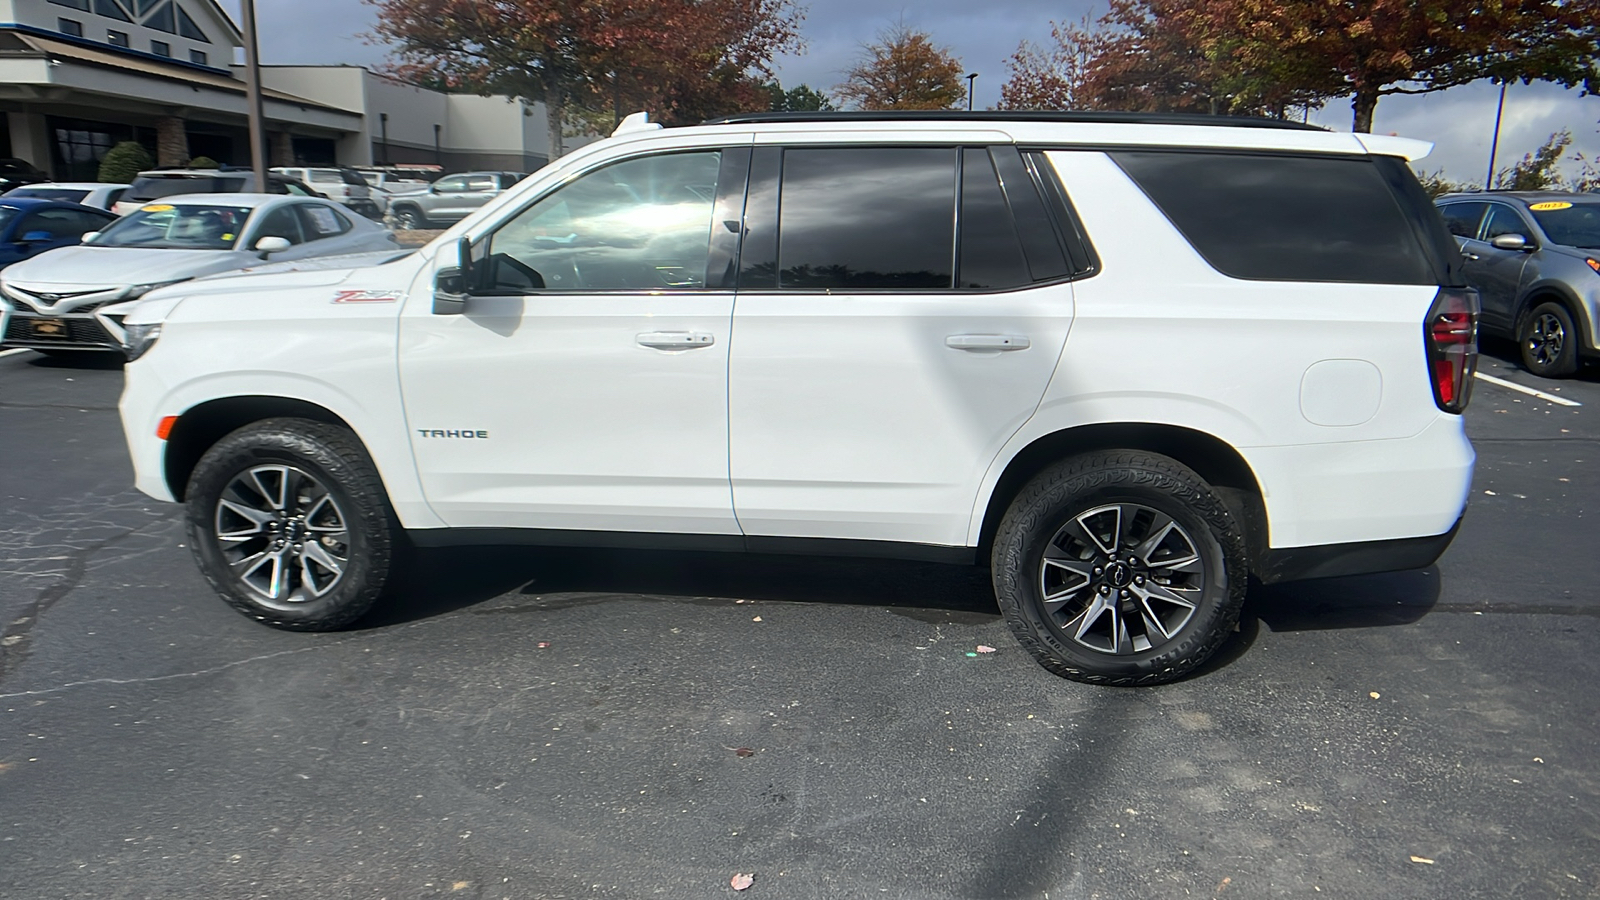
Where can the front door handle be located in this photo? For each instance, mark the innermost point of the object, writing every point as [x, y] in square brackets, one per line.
[675, 340]
[1470, 255]
[990, 342]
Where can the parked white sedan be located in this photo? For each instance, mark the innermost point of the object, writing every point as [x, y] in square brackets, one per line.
[48, 302]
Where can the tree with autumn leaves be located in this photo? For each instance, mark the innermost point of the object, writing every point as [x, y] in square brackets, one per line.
[1268, 56]
[905, 69]
[683, 60]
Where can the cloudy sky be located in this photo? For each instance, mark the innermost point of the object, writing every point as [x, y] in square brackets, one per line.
[983, 35]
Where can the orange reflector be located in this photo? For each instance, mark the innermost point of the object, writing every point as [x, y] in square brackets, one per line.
[165, 428]
[1593, 264]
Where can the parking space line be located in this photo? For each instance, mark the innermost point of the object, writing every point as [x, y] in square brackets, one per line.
[5, 353]
[1562, 401]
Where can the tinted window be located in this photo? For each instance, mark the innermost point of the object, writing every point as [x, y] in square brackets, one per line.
[479, 183]
[1504, 220]
[149, 188]
[280, 222]
[454, 184]
[870, 217]
[1462, 218]
[991, 254]
[57, 223]
[1284, 218]
[294, 188]
[641, 224]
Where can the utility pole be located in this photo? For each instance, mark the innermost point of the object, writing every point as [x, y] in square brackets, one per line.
[1494, 145]
[970, 78]
[252, 97]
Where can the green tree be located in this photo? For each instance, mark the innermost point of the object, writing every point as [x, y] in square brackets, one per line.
[124, 161]
[1539, 170]
[799, 99]
[1437, 185]
[904, 70]
[204, 162]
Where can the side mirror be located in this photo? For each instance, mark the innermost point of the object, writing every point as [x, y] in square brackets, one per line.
[451, 286]
[272, 244]
[35, 237]
[1510, 242]
[90, 237]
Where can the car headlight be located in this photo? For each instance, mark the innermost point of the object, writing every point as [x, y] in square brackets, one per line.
[138, 339]
[139, 290]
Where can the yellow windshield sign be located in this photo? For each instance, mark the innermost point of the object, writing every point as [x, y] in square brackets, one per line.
[158, 207]
[1537, 207]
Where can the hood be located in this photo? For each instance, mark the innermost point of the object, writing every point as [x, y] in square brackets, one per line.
[318, 263]
[91, 265]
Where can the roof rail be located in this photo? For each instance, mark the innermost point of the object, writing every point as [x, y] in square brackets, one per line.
[1021, 115]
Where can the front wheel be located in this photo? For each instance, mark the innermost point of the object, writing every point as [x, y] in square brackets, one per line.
[1549, 341]
[1119, 568]
[407, 218]
[289, 522]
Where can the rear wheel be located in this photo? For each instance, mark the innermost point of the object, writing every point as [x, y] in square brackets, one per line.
[1549, 341]
[289, 522]
[1119, 568]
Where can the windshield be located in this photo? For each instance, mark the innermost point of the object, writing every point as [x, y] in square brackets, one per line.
[177, 227]
[70, 195]
[149, 188]
[1575, 223]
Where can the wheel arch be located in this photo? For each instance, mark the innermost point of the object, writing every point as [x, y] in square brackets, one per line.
[201, 426]
[1212, 458]
[1542, 291]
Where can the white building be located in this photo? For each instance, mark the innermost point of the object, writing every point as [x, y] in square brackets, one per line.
[77, 76]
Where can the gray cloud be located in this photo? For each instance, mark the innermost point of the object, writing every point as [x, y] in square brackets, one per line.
[983, 36]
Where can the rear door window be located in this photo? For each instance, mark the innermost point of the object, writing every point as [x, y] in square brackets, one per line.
[991, 253]
[1462, 218]
[867, 217]
[1284, 218]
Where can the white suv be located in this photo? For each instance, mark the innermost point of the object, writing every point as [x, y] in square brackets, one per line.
[1128, 362]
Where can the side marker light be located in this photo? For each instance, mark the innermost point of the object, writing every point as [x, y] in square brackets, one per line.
[165, 427]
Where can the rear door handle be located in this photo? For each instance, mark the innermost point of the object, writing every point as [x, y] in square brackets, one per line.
[675, 340]
[989, 342]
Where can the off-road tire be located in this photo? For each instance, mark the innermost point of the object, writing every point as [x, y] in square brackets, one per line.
[1080, 484]
[335, 458]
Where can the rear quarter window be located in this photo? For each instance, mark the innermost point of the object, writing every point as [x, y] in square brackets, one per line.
[1285, 218]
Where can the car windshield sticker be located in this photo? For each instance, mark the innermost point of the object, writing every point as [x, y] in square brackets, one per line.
[323, 219]
[1550, 204]
[227, 237]
[365, 297]
[158, 207]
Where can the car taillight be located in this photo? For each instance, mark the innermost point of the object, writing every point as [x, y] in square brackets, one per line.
[1451, 336]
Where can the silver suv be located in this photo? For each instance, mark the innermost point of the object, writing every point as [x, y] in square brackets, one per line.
[1534, 257]
[450, 199]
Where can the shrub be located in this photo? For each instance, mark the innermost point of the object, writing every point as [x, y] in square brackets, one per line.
[122, 162]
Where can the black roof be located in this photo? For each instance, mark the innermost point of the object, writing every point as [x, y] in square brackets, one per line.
[1030, 115]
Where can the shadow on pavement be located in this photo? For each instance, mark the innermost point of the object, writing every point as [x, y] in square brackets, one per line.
[438, 581]
[1366, 601]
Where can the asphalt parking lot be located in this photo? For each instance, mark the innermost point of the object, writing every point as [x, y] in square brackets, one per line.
[561, 724]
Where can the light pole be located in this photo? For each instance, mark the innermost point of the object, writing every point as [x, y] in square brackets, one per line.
[252, 96]
[1494, 145]
[970, 78]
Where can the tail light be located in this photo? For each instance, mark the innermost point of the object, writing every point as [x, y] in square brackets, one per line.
[1451, 337]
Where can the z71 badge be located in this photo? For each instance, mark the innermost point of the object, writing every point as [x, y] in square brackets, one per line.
[365, 297]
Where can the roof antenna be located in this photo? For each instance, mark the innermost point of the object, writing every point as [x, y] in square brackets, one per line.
[639, 121]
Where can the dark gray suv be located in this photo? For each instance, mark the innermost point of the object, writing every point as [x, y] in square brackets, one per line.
[1534, 257]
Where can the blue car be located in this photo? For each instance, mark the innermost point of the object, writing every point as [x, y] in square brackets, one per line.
[29, 227]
